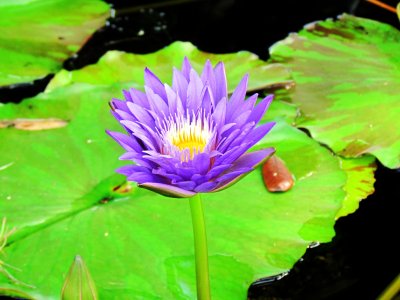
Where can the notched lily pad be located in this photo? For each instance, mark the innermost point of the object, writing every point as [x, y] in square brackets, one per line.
[56, 181]
[360, 182]
[351, 107]
[128, 67]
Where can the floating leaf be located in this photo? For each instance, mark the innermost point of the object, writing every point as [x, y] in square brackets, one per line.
[360, 182]
[347, 75]
[36, 36]
[127, 67]
[59, 188]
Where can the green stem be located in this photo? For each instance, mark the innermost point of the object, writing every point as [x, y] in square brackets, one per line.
[200, 248]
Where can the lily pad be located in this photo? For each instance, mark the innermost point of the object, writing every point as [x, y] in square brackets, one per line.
[37, 36]
[59, 189]
[360, 182]
[347, 75]
[128, 67]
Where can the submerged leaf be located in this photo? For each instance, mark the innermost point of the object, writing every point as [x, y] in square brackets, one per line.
[79, 283]
[351, 107]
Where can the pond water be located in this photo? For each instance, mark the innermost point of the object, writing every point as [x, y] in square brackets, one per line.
[363, 258]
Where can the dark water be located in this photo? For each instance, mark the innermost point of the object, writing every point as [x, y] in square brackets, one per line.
[363, 257]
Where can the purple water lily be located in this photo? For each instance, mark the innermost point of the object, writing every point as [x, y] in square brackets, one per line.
[190, 138]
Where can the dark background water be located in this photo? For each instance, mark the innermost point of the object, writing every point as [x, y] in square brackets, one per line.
[363, 257]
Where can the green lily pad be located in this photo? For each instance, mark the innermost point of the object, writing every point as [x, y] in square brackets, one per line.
[347, 75]
[128, 67]
[37, 36]
[59, 189]
[360, 182]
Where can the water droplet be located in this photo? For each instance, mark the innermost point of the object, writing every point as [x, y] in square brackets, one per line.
[112, 13]
[89, 141]
[141, 32]
[8, 198]
[313, 245]
[106, 234]
[271, 279]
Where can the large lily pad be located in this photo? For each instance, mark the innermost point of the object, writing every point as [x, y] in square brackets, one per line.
[127, 67]
[347, 75]
[37, 36]
[57, 187]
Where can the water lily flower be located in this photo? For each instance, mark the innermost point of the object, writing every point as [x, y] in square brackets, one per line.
[192, 137]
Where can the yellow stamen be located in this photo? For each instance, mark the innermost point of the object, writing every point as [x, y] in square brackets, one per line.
[189, 137]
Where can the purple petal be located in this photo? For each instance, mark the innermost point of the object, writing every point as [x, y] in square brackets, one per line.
[201, 162]
[220, 113]
[258, 133]
[140, 114]
[136, 173]
[170, 176]
[118, 104]
[242, 167]
[141, 134]
[139, 98]
[244, 132]
[232, 154]
[206, 187]
[167, 190]
[186, 185]
[179, 84]
[186, 68]
[249, 103]
[252, 159]
[138, 159]
[154, 83]
[260, 109]
[126, 170]
[174, 102]
[208, 77]
[248, 161]
[221, 83]
[127, 142]
[225, 143]
[123, 115]
[237, 98]
[141, 177]
[157, 104]
[207, 99]
[194, 92]
[216, 171]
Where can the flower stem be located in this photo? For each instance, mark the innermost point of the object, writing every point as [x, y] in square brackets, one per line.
[200, 248]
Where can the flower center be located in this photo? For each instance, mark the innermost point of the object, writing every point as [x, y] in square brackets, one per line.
[188, 136]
